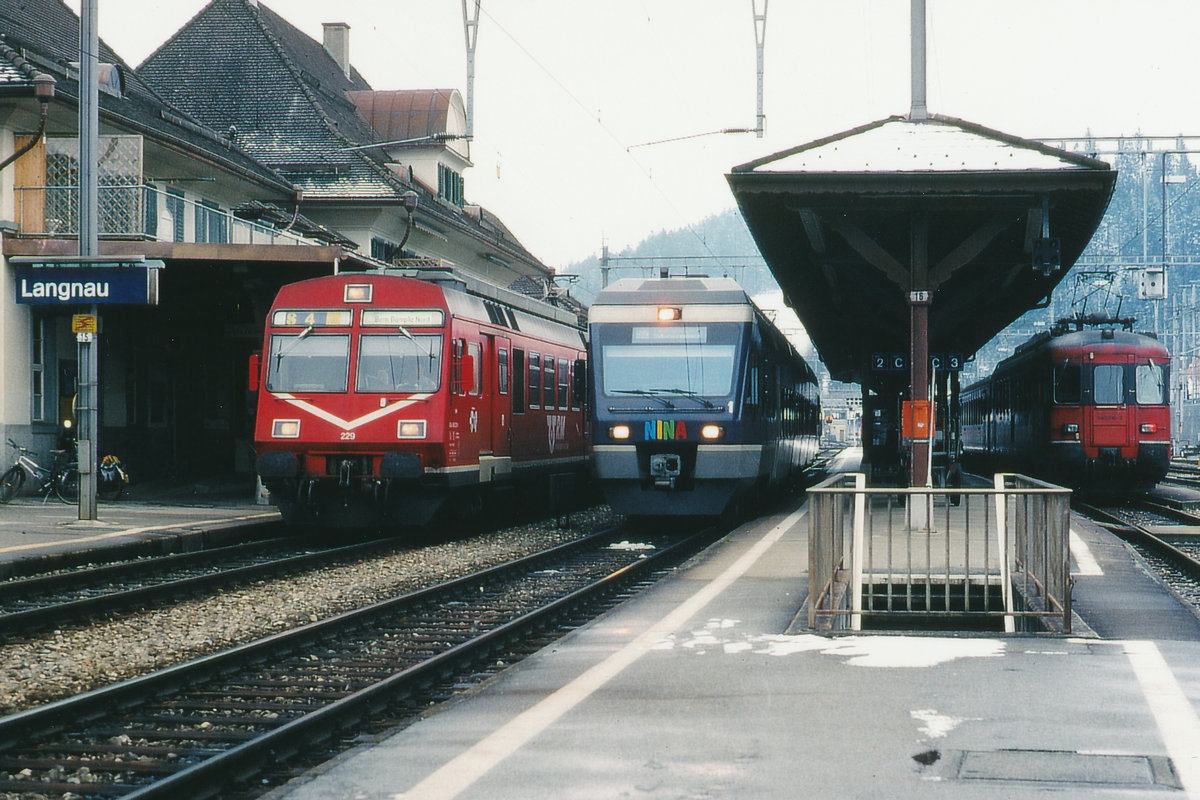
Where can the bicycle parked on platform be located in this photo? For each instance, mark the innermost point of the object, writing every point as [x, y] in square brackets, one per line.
[112, 478]
[61, 479]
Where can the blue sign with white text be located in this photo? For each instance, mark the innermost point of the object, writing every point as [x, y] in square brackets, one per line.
[84, 285]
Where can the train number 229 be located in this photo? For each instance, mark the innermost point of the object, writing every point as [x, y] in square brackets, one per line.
[347, 436]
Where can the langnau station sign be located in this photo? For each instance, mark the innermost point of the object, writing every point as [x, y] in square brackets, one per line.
[86, 281]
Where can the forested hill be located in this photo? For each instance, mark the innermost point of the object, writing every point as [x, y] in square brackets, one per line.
[719, 246]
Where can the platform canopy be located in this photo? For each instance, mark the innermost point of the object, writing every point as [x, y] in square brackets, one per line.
[859, 225]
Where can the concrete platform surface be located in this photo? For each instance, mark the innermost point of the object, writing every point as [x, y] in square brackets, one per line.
[30, 528]
[692, 690]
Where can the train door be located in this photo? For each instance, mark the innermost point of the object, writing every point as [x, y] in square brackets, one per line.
[1109, 417]
[500, 348]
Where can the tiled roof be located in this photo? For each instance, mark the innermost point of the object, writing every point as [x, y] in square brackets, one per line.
[243, 65]
[43, 36]
[238, 63]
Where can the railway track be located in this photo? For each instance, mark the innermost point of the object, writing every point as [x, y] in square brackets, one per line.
[195, 729]
[66, 596]
[1176, 557]
[1183, 473]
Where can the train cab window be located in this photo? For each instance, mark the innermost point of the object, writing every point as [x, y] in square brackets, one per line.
[394, 363]
[304, 363]
[548, 383]
[1067, 379]
[564, 383]
[535, 380]
[518, 386]
[456, 366]
[1150, 380]
[476, 354]
[1109, 384]
[502, 371]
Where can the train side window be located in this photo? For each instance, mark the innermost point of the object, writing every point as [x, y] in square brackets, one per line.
[1151, 384]
[564, 383]
[502, 371]
[456, 366]
[535, 380]
[476, 353]
[548, 383]
[1067, 383]
[518, 380]
[1109, 384]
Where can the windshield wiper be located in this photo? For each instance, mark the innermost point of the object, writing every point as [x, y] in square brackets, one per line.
[652, 393]
[689, 394]
[292, 345]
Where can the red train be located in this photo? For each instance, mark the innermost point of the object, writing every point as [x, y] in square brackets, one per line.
[384, 396]
[1084, 405]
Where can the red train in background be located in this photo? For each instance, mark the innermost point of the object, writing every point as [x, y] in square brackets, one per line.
[384, 396]
[1084, 405]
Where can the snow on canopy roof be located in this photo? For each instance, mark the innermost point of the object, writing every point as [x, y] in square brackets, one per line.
[936, 144]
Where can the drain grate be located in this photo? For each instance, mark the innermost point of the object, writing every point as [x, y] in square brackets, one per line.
[1066, 766]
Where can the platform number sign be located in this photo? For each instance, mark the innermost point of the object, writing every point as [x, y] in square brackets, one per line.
[946, 362]
[889, 362]
[898, 362]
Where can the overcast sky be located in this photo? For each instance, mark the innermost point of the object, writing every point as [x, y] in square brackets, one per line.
[567, 89]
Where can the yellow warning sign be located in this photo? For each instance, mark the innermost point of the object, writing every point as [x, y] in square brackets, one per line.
[84, 323]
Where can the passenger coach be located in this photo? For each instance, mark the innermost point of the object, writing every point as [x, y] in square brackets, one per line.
[1084, 405]
[386, 396]
[697, 399]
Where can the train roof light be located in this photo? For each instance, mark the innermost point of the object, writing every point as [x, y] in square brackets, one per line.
[667, 314]
[358, 293]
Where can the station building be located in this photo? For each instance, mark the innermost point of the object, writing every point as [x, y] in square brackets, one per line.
[240, 156]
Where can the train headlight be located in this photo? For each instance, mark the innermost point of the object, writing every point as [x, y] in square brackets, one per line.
[1149, 427]
[286, 429]
[619, 431]
[712, 432]
[670, 314]
[358, 293]
[1071, 429]
[410, 429]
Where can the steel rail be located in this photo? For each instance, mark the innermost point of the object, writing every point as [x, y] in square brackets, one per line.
[208, 777]
[153, 593]
[1136, 534]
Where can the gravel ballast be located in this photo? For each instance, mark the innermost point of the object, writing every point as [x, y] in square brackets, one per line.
[56, 664]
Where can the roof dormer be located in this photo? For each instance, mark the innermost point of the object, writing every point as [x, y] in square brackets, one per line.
[424, 130]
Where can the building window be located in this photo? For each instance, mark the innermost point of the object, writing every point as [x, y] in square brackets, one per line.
[150, 211]
[38, 361]
[211, 224]
[450, 185]
[175, 209]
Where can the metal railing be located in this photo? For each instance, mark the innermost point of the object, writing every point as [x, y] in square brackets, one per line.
[939, 556]
[141, 212]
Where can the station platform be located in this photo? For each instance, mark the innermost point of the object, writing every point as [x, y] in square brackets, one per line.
[692, 689]
[33, 527]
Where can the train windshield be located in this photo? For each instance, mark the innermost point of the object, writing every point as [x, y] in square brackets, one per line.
[305, 363]
[680, 361]
[1151, 381]
[398, 363]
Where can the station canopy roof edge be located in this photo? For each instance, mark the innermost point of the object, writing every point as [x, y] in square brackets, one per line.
[850, 224]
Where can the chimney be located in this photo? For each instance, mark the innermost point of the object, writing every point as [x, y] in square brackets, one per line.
[337, 44]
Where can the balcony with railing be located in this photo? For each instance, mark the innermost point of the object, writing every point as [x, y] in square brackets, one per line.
[141, 213]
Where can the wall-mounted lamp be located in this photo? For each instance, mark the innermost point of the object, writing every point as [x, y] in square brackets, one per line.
[409, 199]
